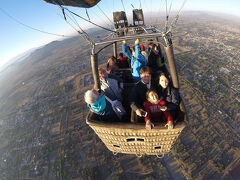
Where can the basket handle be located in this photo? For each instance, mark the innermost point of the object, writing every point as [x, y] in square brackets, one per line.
[139, 155]
[160, 156]
[115, 153]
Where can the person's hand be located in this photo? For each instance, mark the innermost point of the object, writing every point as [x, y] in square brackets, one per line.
[139, 112]
[137, 41]
[163, 108]
[149, 125]
[124, 42]
[169, 125]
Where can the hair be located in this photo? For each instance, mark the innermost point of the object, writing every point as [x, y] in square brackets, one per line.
[153, 46]
[102, 70]
[150, 44]
[149, 91]
[168, 78]
[145, 69]
[120, 54]
[111, 60]
[90, 97]
[163, 74]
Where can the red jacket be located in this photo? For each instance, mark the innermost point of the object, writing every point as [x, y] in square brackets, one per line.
[154, 112]
[122, 58]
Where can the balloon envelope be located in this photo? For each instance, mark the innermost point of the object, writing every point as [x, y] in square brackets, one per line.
[75, 3]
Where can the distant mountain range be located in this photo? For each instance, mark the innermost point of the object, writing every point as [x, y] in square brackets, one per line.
[19, 58]
[50, 46]
[96, 31]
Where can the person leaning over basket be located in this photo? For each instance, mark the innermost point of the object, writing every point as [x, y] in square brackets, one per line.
[137, 60]
[155, 109]
[112, 64]
[109, 85]
[98, 104]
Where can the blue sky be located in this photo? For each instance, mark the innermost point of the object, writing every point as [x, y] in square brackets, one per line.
[16, 39]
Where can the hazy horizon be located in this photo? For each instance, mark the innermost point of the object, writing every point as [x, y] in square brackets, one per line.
[183, 14]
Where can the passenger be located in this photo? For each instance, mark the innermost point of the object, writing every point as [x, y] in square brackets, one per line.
[155, 108]
[149, 47]
[156, 60]
[98, 104]
[122, 61]
[109, 85]
[112, 64]
[170, 94]
[138, 93]
[137, 60]
[143, 52]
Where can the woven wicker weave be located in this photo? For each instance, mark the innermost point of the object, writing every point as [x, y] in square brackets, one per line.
[135, 139]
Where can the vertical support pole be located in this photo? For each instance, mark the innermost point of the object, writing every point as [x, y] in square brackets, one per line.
[174, 74]
[172, 65]
[173, 70]
[94, 65]
[115, 49]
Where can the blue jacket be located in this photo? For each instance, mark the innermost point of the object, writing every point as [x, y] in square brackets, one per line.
[107, 114]
[136, 64]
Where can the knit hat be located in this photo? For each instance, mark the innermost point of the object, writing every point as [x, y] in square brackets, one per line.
[142, 47]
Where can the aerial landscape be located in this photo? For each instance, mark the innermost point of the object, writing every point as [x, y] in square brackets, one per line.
[43, 130]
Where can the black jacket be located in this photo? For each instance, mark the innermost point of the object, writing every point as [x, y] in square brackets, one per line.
[171, 97]
[138, 96]
[152, 60]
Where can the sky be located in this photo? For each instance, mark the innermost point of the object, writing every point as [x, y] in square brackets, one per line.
[16, 38]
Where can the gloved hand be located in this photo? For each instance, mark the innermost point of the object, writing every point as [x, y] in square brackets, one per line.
[137, 41]
[124, 42]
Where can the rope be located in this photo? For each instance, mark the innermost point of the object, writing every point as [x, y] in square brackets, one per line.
[100, 17]
[174, 22]
[76, 23]
[160, 4]
[151, 12]
[170, 8]
[182, 6]
[89, 21]
[63, 18]
[166, 23]
[30, 27]
[123, 6]
[83, 34]
[105, 14]
[87, 14]
[113, 6]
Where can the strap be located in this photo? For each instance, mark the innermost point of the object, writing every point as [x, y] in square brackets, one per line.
[106, 84]
[109, 99]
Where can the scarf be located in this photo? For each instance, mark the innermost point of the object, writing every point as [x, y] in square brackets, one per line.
[99, 105]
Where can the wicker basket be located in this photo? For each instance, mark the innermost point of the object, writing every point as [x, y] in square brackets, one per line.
[134, 138]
